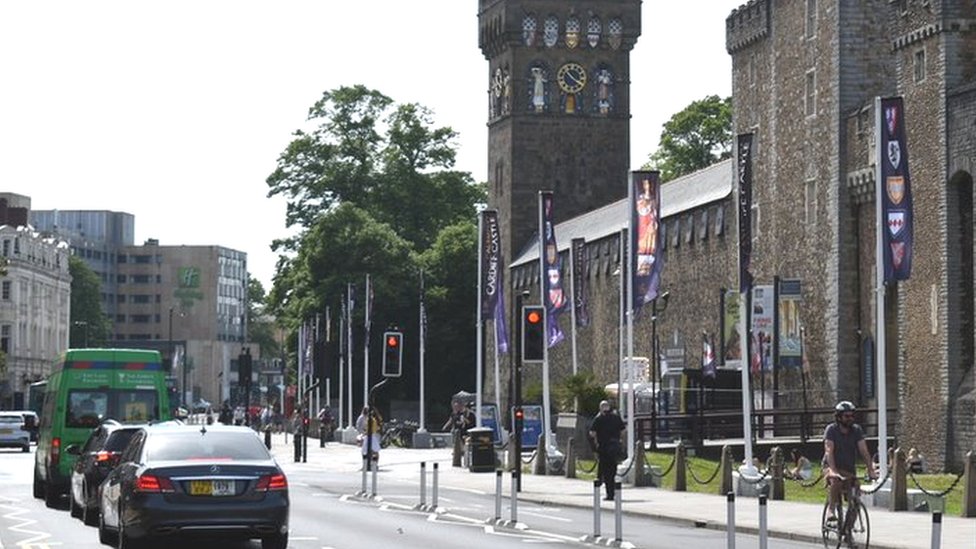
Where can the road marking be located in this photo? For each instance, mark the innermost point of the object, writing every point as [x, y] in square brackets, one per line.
[560, 519]
[38, 537]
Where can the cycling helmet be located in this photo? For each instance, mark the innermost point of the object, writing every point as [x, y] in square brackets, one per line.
[844, 406]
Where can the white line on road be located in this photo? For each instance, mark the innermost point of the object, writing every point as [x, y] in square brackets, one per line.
[38, 537]
[550, 517]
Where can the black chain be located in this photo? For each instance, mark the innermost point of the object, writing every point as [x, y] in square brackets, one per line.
[935, 494]
[629, 467]
[879, 484]
[666, 471]
[764, 474]
[587, 471]
[810, 484]
[698, 480]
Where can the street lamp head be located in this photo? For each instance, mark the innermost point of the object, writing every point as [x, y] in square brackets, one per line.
[663, 298]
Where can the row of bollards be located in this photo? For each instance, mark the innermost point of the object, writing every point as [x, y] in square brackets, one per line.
[423, 488]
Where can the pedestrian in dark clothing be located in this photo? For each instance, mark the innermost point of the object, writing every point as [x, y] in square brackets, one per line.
[226, 416]
[605, 431]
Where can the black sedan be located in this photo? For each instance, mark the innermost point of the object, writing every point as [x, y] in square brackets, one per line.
[96, 459]
[210, 481]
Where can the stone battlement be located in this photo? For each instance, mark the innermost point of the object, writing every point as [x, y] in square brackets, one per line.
[747, 25]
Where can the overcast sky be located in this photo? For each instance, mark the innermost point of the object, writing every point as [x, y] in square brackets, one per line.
[176, 111]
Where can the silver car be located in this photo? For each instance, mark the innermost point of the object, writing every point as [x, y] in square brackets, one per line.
[13, 432]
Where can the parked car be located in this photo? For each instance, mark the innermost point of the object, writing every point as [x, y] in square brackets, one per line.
[13, 431]
[195, 480]
[31, 422]
[96, 459]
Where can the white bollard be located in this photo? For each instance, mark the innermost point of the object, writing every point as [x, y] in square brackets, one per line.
[514, 505]
[374, 466]
[618, 516]
[596, 508]
[365, 467]
[423, 484]
[730, 518]
[433, 489]
[763, 534]
[936, 530]
[498, 494]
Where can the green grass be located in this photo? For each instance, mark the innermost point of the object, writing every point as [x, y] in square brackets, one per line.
[795, 490]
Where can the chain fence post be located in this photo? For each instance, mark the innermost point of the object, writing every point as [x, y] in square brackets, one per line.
[778, 488]
[726, 485]
[899, 482]
[680, 467]
[969, 486]
[571, 458]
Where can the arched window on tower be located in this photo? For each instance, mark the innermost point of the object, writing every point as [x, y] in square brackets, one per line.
[593, 31]
[530, 30]
[550, 32]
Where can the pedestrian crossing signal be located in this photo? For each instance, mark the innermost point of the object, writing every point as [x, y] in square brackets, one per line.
[533, 333]
[392, 354]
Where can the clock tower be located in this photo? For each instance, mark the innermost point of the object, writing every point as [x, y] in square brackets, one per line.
[558, 106]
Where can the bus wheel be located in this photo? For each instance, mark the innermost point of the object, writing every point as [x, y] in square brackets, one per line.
[51, 495]
[38, 487]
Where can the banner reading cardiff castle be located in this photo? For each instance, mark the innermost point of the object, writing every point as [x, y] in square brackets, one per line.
[896, 198]
[492, 277]
[645, 225]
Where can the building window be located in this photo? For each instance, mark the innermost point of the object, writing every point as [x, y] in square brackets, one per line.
[142, 258]
[140, 298]
[6, 247]
[810, 203]
[140, 319]
[919, 66]
[810, 97]
[120, 279]
[811, 27]
[5, 338]
[16, 246]
[6, 290]
[141, 279]
[122, 258]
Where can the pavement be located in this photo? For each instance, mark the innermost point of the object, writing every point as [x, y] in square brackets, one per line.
[785, 519]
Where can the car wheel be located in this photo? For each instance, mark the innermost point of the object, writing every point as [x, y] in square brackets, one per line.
[51, 495]
[279, 541]
[38, 486]
[89, 514]
[105, 536]
[73, 508]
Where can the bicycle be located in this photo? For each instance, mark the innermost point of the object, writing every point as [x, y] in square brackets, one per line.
[851, 527]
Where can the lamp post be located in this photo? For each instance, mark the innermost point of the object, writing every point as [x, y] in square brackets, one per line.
[655, 361]
[85, 325]
[170, 340]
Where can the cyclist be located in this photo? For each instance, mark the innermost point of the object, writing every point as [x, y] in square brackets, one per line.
[843, 440]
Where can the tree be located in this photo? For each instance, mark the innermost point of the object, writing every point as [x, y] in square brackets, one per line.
[260, 326]
[694, 138]
[89, 325]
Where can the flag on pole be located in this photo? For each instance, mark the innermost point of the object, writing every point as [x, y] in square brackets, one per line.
[423, 313]
[578, 249]
[709, 369]
[369, 306]
[493, 277]
[744, 174]
[756, 362]
[553, 293]
[898, 217]
[646, 245]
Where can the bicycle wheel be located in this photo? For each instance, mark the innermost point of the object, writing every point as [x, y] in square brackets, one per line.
[829, 531]
[857, 527]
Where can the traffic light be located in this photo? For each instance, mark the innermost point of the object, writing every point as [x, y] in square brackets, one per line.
[518, 417]
[392, 353]
[533, 333]
[244, 366]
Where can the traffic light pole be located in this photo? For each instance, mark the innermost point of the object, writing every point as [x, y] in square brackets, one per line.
[517, 376]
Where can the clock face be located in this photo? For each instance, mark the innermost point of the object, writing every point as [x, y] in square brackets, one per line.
[571, 77]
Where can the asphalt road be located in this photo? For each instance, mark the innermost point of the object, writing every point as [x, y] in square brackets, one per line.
[326, 513]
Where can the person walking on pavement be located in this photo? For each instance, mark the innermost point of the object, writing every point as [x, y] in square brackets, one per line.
[843, 440]
[370, 443]
[460, 420]
[605, 432]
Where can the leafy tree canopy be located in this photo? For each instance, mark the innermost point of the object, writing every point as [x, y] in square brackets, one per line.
[260, 326]
[694, 138]
[89, 325]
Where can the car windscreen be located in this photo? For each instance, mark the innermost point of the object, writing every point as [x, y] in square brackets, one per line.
[118, 440]
[11, 420]
[194, 445]
[89, 407]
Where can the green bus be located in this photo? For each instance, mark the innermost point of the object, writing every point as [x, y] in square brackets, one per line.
[86, 387]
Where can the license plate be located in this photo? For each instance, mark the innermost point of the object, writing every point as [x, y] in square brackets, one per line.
[211, 487]
[6, 431]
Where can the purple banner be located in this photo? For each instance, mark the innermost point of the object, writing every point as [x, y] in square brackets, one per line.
[578, 251]
[554, 296]
[896, 192]
[744, 174]
[709, 368]
[491, 266]
[646, 244]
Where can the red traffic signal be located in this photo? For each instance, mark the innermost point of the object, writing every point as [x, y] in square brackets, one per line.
[392, 341]
[519, 414]
[533, 333]
[533, 317]
[392, 354]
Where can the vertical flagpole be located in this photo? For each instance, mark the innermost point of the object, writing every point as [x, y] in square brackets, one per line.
[630, 316]
[349, 352]
[423, 344]
[748, 468]
[620, 319]
[880, 298]
[369, 305]
[301, 362]
[315, 350]
[479, 324]
[545, 345]
[572, 307]
[342, 365]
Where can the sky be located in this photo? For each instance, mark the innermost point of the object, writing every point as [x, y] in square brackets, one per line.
[176, 112]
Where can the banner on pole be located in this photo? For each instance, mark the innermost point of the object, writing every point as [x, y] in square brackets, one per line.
[708, 357]
[731, 340]
[896, 195]
[553, 293]
[646, 244]
[790, 344]
[579, 282]
[744, 175]
[763, 315]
